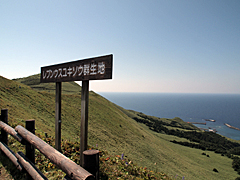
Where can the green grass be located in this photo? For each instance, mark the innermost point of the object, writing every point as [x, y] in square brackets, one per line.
[34, 82]
[111, 128]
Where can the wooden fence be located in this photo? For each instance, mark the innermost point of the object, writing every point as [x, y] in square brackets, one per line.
[26, 162]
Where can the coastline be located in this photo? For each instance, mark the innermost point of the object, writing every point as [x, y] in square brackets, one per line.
[189, 107]
[228, 125]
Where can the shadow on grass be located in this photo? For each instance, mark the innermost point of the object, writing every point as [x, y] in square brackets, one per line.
[103, 176]
[11, 168]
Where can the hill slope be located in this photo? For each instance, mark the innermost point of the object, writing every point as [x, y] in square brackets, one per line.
[34, 82]
[112, 128]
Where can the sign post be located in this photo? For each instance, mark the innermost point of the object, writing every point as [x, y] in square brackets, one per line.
[97, 68]
[84, 119]
[58, 122]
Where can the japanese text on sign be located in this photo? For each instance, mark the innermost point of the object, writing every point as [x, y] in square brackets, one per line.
[89, 69]
[86, 69]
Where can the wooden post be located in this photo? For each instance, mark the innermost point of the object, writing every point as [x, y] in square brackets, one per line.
[91, 162]
[58, 116]
[4, 118]
[30, 150]
[84, 119]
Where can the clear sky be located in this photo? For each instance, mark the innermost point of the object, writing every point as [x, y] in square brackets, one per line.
[157, 45]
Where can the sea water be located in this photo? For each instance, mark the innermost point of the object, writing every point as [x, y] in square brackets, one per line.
[223, 108]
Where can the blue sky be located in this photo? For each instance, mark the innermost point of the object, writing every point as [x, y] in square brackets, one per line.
[157, 45]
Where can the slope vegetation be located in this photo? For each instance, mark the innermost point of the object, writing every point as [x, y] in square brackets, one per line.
[111, 128]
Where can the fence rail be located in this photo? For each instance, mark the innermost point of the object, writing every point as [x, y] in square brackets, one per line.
[11, 155]
[27, 137]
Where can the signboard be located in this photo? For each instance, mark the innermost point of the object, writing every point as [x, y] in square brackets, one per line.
[96, 68]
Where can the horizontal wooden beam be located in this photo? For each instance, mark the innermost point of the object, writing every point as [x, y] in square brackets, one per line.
[73, 170]
[10, 131]
[8, 152]
[30, 167]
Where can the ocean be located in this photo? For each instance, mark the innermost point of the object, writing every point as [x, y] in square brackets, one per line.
[223, 108]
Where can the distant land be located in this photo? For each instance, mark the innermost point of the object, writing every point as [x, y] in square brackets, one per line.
[228, 125]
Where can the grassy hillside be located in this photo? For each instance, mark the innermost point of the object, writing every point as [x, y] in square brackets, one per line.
[112, 128]
[34, 82]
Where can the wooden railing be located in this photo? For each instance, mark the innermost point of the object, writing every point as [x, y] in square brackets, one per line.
[27, 138]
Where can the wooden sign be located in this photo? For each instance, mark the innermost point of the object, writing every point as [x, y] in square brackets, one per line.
[96, 68]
